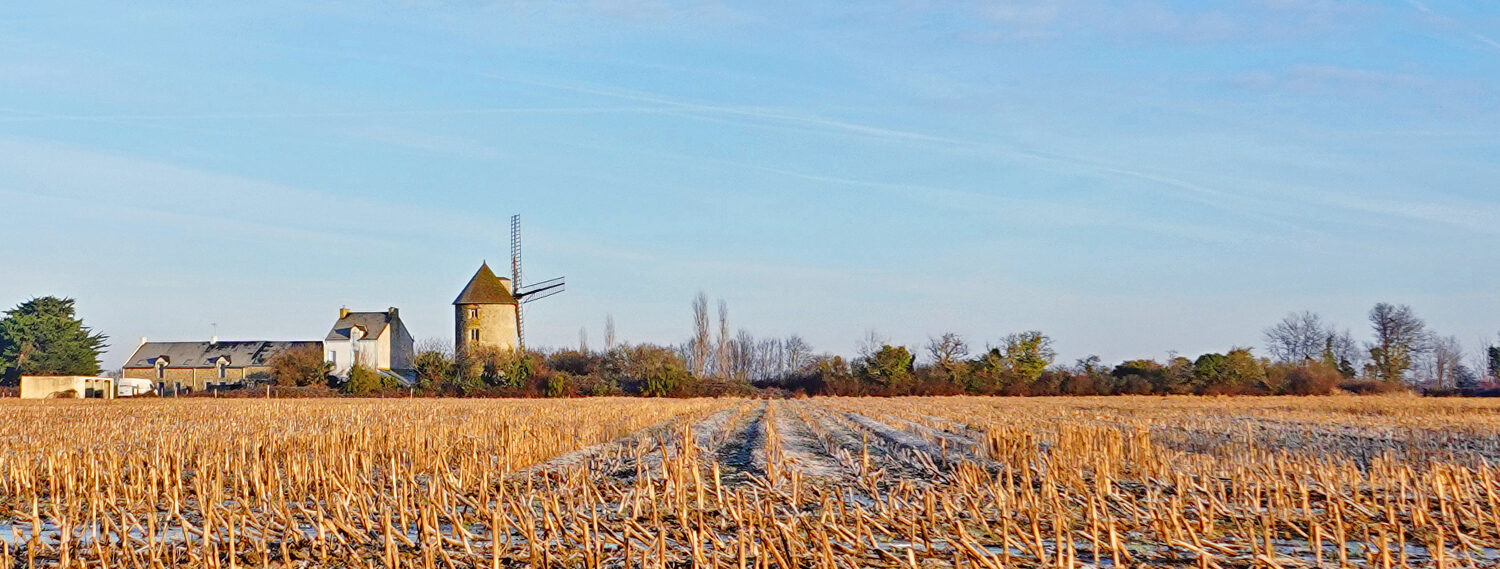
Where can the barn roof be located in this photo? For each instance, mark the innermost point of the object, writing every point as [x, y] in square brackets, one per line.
[203, 354]
[486, 288]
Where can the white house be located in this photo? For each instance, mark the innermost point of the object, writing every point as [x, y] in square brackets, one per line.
[377, 340]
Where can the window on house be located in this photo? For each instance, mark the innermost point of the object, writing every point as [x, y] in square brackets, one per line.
[333, 358]
[474, 335]
[473, 313]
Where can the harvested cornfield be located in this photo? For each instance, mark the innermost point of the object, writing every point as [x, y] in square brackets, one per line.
[843, 482]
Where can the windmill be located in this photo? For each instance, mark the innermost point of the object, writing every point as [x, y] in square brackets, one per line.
[526, 293]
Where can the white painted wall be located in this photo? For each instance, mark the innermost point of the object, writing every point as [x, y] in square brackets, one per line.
[369, 351]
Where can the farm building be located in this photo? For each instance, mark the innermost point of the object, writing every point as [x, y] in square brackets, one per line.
[67, 387]
[196, 366]
[377, 340]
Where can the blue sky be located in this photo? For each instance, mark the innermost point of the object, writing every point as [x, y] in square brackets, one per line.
[1133, 178]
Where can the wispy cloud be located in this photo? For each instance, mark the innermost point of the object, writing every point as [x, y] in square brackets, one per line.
[116, 186]
[1032, 20]
[1462, 27]
[1243, 200]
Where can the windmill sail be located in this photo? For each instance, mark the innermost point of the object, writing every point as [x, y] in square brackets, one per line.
[525, 293]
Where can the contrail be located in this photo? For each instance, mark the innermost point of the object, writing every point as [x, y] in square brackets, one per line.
[36, 117]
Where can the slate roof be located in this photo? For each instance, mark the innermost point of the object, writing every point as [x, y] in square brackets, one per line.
[202, 354]
[374, 324]
[485, 288]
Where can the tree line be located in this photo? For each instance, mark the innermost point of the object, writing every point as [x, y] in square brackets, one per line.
[1305, 354]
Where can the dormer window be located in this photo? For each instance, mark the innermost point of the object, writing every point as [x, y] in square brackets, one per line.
[161, 368]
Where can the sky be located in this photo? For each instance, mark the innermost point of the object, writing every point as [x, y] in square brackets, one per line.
[1135, 178]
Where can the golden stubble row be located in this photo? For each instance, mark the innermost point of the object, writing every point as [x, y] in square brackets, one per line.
[904, 482]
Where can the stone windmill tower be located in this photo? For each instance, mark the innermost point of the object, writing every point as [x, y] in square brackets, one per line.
[485, 313]
[488, 311]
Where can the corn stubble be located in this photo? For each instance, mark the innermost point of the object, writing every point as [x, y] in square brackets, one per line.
[615, 482]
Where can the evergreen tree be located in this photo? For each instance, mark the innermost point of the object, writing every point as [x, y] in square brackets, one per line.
[1494, 361]
[44, 336]
[889, 369]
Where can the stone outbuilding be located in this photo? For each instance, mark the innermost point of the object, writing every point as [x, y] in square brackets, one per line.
[67, 387]
[196, 366]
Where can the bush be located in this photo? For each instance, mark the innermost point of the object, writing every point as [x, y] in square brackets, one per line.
[300, 367]
[1372, 387]
[434, 369]
[657, 371]
[557, 384]
[499, 367]
[1309, 378]
[597, 386]
[888, 371]
[574, 362]
[363, 380]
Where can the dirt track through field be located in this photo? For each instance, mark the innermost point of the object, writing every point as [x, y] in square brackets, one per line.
[826, 447]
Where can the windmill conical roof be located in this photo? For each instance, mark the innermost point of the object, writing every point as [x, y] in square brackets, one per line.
[485, 288]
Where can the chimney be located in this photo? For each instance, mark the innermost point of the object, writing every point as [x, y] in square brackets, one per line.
[214, 341]
[343, 313]
[392, 313]
[143, 341]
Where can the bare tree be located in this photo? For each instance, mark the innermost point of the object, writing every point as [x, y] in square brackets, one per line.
[871, 343]
[1299, 337]
[609, 332]
[721, 352]
[699, 346]
[798, 353]
[438, 345]
[947, 350]
[1443, 360]
[743, 356]
[1400, 336]
[1343, 351]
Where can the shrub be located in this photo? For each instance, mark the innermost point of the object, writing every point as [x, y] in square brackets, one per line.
[362, 380]
[888, 371]
[1310, 378]
[499, 367]
[434, 369]
[1372, 387]
[557, 384]
[574, 362]
[658, 371]
[300, 367]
